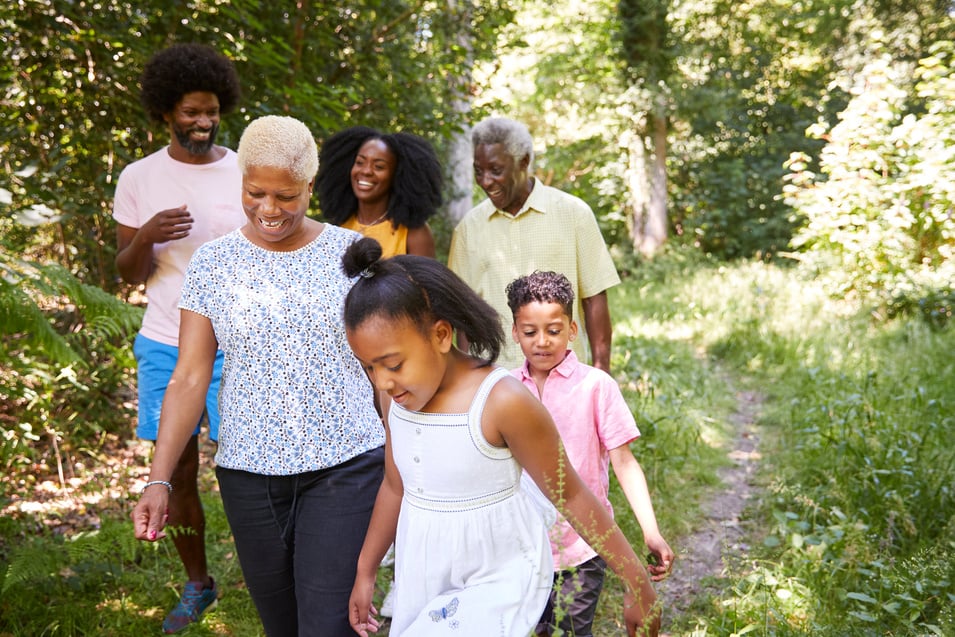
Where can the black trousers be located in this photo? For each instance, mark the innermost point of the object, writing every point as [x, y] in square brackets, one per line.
[298, 538]
[576, 598]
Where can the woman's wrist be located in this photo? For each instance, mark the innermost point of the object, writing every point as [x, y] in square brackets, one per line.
[164, 483]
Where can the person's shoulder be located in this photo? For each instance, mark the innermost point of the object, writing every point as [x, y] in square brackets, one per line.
[588, 375]
[551, 199]
[509, 393]
[147, 163]
[570, 199]
[337, 238]
[597, 373]
[229, 158]
[229, 242]
[340, 234]
[478, 213]
[226, 249]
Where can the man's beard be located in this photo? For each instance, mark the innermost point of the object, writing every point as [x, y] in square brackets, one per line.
[195, 147]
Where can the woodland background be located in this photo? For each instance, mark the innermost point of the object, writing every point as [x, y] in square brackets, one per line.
[730, 149]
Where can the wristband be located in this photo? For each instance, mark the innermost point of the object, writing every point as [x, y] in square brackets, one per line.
[152, 482]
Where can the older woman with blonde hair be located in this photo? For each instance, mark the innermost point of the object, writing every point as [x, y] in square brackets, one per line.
[300, 454]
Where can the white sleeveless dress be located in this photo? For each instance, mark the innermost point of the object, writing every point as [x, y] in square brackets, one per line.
[472, 556]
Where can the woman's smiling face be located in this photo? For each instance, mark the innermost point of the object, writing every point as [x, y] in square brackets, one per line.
[373, 172]
[275, 203]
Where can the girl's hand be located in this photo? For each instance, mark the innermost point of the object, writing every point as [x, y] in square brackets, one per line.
[642, 617]
[361, 612]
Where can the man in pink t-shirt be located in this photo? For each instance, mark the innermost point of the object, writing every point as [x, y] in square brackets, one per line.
[596, 427]
[167, 205]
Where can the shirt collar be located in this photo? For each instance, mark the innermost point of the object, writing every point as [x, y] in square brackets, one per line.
[564, 368]
[533, 203]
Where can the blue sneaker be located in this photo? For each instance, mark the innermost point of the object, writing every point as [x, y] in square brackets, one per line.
[194, 601]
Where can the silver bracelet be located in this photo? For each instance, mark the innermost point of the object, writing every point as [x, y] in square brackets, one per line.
[168, 485]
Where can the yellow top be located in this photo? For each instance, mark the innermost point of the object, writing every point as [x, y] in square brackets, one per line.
[393, 240]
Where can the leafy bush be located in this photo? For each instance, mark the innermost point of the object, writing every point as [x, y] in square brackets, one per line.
[879, 217]
[67, 360]
[860, 523]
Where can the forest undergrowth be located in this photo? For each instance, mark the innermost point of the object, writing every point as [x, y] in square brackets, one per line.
[830, 427]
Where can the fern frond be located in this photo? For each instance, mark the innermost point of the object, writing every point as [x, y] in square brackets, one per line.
[104, 315]
[32, 564]
[113, 543]
[93, 302]
[19, 315]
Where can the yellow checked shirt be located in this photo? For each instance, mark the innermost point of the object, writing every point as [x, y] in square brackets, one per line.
[553, 231]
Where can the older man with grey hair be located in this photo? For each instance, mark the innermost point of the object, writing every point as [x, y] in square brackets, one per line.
[525, 225]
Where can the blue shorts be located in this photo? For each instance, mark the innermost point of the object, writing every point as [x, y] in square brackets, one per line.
[155, 362]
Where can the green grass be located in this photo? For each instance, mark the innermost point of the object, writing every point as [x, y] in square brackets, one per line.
[855, 528]
[104, 582]
[857, 534]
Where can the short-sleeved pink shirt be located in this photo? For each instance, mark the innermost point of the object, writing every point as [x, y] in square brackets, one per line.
[213, 194]
[592, 418]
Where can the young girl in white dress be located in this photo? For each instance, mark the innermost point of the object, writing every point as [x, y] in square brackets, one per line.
[472, 557]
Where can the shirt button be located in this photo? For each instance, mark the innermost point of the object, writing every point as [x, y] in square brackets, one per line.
[420, 490]
[417, 430]
[417, 459]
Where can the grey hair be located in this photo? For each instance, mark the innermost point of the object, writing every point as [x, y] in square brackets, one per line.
[514, 136]
[276, 141]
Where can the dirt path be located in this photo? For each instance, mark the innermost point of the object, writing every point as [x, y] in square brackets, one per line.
[706, 552]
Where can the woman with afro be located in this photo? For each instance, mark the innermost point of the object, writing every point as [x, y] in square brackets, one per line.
[383, 185]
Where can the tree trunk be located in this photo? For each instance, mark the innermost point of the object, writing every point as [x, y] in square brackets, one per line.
[637, 181]
[460, 155]
[461, 160]
[646, 186]
[655, 230]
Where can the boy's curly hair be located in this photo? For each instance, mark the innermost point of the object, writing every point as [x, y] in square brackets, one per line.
[184, 68]
[541, 287]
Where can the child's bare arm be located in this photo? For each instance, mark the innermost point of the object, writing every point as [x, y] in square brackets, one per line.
[380, 535]
[634, 484]
[513, 414]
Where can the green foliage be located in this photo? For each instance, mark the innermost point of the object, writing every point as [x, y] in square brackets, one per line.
[852, 538]
[105, 582]
[644, 40]
[70, 120]
[756, 75]
[879, 213]
[65, 360]
[857, 530]
[933, 305]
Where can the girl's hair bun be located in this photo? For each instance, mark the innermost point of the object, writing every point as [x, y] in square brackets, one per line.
[362, 256]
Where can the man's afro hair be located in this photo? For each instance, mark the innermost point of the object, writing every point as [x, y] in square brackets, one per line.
[186, 68]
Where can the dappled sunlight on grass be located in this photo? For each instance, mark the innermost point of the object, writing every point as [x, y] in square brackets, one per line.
[764, 600]
[119, 603]
[854, 424]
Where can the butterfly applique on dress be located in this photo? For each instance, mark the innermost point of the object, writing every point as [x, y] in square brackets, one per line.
[446, 612]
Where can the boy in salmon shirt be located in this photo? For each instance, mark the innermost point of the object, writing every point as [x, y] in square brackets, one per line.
[596, 427]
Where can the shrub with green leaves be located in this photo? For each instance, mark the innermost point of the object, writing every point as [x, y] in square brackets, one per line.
[66, 360]
[879, 214]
